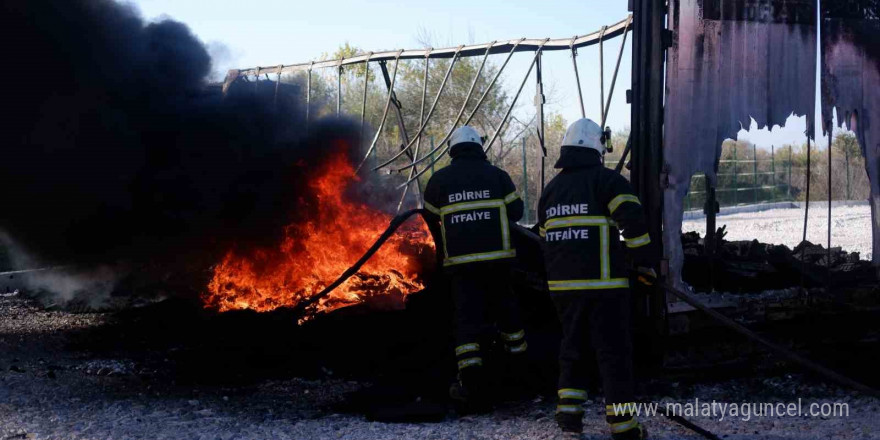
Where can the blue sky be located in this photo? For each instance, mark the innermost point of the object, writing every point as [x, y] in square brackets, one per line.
[272, 32]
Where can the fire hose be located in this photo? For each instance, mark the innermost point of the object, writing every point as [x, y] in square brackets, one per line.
[392, 227]
[772, 346]
[397, 221]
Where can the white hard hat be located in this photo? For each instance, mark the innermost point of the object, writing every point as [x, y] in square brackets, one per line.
[465, 134]
[584, 133]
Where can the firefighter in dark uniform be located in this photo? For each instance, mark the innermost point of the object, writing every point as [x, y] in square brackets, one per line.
[581, 213]
[472, 205]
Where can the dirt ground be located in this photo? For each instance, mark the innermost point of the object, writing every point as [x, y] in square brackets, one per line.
[52, 389]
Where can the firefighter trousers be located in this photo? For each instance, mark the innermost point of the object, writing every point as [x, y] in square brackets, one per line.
[482, 297]
[599, 321]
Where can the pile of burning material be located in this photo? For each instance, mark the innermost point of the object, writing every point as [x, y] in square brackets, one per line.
[319, 247]
[752, 266]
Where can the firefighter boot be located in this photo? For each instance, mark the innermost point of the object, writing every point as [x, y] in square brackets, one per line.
[468, 393]
[626, 428]
[570, 423]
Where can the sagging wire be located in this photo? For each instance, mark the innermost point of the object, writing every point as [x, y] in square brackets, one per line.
[308, 95]
[500, 126]
[455, 121]
[384, 112]
[577, 78]
[602, 76]
[616, 69]
[430, 113]
[413, 170]
[364, 101]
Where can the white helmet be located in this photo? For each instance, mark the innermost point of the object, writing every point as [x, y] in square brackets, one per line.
[465, 134]
[585, 133]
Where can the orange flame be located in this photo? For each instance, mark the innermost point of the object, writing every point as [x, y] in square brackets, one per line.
[314, 252]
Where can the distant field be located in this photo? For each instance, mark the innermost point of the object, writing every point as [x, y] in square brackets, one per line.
[850, 227]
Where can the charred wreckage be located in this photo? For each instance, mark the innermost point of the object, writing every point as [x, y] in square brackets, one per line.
[376, 272]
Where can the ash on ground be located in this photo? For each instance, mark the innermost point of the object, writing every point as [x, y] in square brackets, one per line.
[51, 388]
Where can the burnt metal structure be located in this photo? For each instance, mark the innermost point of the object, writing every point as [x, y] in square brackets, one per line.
[646, 135]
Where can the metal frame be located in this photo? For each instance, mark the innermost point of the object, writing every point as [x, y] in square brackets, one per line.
[523, 45]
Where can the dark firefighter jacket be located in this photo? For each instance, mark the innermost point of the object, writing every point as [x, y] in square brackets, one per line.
[474, 203]
[580, 215]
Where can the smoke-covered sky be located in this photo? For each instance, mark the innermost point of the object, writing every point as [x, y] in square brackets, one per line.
[113, 148]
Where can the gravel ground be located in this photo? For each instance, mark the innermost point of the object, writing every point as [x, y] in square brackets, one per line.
[51, 391]
[850, 227]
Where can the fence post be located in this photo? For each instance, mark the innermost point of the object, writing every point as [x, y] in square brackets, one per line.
[846, 156]
[755, 168]
[773, 170]
[735, 186]
[790, 149]
[525, 190]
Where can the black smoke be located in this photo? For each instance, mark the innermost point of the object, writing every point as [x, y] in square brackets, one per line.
[114, 146]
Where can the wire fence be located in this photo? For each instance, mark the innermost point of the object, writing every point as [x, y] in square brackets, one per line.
[747, 178]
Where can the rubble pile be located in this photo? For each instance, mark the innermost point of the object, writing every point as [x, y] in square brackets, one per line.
[751, 266]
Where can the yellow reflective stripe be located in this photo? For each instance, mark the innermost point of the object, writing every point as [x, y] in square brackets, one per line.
[613, 283]
[469, 362]
[604, 257]
[570, 409]
[432, 208]
[542, 232]
[583, 220]
[466, 348]
[505, 227]
[477, 204]
[617, 428]
[483, 256]
[518, 348]
[639, 241]
[513, 337]
[627, 408]
[572, 393]
[443, 234]
[617, 201]
[511, 197]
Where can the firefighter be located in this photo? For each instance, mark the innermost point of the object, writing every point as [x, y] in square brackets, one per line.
[472, 205]
[582, 212]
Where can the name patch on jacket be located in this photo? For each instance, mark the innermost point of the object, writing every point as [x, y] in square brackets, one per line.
[562, 210]
[470, 217]
[568, 234]
[469, 195]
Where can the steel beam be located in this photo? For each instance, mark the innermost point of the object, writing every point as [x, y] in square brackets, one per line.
[521, 45]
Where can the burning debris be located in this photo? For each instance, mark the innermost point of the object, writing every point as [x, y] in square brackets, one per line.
[319, 247]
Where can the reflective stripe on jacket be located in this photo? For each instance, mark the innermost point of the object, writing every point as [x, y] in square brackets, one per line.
[474, 203]
[581, 215]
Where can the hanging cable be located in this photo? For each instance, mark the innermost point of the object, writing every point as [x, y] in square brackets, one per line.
[602, 76]
[616, 69]
[339, 88]
[430, 113]
[384, 112]
[577, 78]
[413, 170]
[806, 212]
[455, 121]
[500, 126]
[473, 113]
[364, 101]
[828, 263]
[308, 95]
[277, 83]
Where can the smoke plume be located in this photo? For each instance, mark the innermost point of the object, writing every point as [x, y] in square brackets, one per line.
[116, 148]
